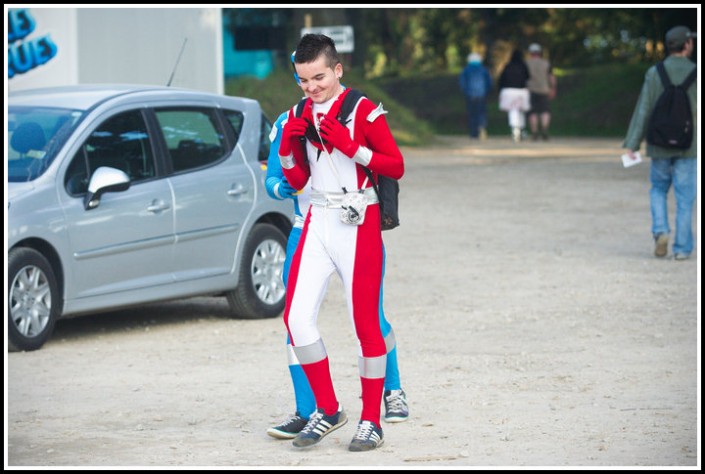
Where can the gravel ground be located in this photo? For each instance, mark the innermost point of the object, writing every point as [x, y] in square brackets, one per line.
[534, 328]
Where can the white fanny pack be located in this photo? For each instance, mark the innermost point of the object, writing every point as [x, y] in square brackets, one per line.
[353, 206]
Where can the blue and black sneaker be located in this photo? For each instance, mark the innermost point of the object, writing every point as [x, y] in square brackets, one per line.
[318, 426]
[368, 437]
[396, 409]
[289, 428]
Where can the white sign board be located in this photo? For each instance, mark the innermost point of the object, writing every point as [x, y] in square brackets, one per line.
[342, 36]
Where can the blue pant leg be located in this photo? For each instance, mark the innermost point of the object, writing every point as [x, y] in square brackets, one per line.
[482, 114]
[477, 116]
[305, 400]
[473, 124]
[291, 244]
[391, 380]
[660, 176]
[685, 185]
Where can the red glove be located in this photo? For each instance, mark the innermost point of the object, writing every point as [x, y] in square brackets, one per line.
[295, 127]
[338, 135]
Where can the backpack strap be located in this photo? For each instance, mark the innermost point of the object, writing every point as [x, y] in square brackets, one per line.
[346, 109]
[689, 80]
[665, 80]
[300, 107]
[310, 130]
[349, 103]
[372, 180]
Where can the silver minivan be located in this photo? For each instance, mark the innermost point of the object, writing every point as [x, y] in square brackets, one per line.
[120, 195]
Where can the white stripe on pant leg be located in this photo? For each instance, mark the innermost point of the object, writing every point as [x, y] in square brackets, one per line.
[390, 341]
[372, 367]
[291, 355]
[311, 353]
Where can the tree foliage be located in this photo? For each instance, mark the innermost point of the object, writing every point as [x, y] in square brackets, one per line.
[394, 42]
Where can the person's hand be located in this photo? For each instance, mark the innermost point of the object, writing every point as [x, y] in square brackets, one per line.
[633, 154]
[285, 190]
[338, 135]
[295, 127]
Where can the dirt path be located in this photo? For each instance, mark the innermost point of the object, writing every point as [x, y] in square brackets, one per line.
[534, 328]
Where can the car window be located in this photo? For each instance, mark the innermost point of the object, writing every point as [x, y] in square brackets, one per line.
[120, 142]
[192, 137]
[236, 119]
[35, 134]
[264, 141]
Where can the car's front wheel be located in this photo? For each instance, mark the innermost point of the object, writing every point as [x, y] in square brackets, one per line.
[33, 300]
[260, 292]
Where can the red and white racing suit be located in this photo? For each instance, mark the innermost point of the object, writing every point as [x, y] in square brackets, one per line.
[328, 245]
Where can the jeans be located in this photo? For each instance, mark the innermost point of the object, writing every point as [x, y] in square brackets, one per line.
[682, 173]
[477, 115]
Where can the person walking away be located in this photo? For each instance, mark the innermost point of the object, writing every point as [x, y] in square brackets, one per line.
[395, 404]
[669, 166]
[542, 89]
[513, 93]
[342, 234]
[476, 84]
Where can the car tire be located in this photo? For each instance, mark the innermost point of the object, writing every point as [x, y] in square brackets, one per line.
[260, 292]
[33, 300]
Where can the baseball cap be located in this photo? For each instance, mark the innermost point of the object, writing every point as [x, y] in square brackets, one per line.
[534, 48]
[678, 35]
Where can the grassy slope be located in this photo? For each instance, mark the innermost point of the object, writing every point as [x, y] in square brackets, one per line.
[592, 102]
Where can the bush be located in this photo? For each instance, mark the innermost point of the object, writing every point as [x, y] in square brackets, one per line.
[595, 101]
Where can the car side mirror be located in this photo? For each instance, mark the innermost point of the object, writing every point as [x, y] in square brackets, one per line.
[104, 179]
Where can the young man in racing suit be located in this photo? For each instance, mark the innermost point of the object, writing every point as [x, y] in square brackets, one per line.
[395, 404]
[336, 239]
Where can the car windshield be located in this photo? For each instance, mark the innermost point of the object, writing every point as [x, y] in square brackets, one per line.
[35, 135]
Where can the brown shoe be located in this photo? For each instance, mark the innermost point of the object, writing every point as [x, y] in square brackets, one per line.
[661, 245]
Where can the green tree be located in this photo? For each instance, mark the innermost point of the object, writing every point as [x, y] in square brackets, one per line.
[394, 42]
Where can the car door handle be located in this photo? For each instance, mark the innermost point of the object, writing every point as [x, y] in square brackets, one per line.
[158, 206]
[237, 190]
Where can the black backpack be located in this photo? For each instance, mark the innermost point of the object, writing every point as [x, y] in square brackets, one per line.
[671, 122]
[387, 188]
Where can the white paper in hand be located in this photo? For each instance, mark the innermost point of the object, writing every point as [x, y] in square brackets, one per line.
[629, 161]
